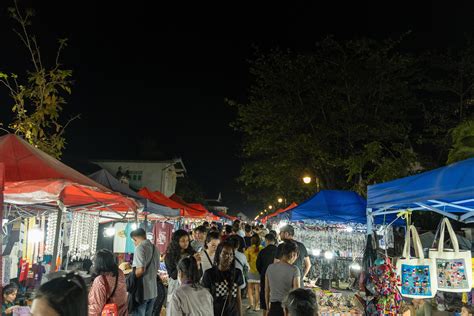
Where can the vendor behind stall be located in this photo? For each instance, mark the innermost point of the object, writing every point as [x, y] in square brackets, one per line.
[9, 297]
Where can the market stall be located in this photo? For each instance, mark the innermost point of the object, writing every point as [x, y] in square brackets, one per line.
[332, 226]
[448, 191]
[50, 211]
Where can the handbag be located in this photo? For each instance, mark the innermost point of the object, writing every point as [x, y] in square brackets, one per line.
[453, 266]
[417, 274]
[110, 309]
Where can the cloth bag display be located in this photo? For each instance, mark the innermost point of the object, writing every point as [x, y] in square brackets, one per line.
[417, 274]
[453, 266]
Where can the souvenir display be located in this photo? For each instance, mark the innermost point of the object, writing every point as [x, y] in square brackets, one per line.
[417, 274]
[344, 241]
[453, 266]
[84, 233]
[50, 233]
[384, 281]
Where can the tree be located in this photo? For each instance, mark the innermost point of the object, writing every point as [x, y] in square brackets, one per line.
[342, 112]
[190, 191]
[462, 142]
[38, 99]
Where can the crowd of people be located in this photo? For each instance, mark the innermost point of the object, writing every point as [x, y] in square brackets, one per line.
[210, 272]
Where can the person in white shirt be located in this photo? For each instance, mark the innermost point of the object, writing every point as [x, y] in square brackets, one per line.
[207, 254]
[190, 298]
[240, 259]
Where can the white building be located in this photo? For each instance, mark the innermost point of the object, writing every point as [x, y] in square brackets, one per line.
[155, 175]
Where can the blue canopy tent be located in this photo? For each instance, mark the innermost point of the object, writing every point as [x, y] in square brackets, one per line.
[106, 179]
[448, 191]
[332, 206]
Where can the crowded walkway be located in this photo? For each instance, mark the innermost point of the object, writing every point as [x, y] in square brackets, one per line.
[231, 270]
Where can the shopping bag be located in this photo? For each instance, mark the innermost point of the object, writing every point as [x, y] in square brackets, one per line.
[453, 266]
[417, 278]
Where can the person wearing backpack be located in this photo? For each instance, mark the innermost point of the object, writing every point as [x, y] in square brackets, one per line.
[108, 291]
[240, 262]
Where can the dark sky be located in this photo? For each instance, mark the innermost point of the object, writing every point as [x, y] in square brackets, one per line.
[145, 70]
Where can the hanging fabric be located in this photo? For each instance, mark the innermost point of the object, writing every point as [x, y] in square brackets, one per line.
[453, 266]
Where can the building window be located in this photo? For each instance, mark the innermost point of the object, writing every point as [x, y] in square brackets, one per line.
[136, 179]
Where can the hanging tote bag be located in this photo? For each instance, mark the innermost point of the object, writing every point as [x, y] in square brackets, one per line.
[417, 274]
[453, 266]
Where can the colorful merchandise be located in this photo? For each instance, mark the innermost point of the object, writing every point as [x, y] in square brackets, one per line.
[453, 266]
[383, 282]
[417, 274]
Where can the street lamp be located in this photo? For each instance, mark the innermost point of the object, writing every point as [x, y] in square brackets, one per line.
[270, 206]
[280, 200]
[307, 179]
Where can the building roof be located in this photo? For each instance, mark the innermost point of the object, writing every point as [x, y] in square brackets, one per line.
[177, 162]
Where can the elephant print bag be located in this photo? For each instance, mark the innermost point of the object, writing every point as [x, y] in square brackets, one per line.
[453, 266]
[417, 274]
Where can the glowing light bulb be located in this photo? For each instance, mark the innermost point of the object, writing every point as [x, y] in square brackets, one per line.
[36, 234]
[109, 231]
[355, 266]
[307, 180]
[280, 200]
[328, 255]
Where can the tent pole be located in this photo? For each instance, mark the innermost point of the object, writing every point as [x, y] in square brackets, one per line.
[57, 234]
[370, 221]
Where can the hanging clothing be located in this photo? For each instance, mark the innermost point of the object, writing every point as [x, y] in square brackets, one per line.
[120, 238]
[15, 259]
[162, 233]
[6, 267]
[129, 245]
[25, 268]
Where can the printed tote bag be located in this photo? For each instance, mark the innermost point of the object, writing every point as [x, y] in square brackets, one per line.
[417, 274]
[453, 266]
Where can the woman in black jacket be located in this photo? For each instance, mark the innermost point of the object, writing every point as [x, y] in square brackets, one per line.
[178, 249]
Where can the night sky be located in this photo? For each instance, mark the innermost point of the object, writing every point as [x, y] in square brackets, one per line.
[162, 72]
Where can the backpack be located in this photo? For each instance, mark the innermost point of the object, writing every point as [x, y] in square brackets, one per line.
[245, 270]
[110, 309]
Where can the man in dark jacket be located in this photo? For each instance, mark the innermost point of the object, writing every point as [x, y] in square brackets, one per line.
[264, 259]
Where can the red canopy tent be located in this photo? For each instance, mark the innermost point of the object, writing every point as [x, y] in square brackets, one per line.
[160, 198]
[32, 177]
[292, 205]
[229, 217]
[35, 181]
[201, 207]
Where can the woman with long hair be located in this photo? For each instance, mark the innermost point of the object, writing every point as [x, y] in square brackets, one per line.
[254, 277]
[190, 298]
[63, 296]
[224, 281]
[178, 249]
[208, 253]
[109, 286]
